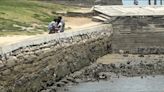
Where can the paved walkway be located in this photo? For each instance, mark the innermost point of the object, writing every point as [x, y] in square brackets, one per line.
[120, 10]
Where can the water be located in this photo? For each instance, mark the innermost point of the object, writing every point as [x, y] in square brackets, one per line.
[141, 2]
[135, 84]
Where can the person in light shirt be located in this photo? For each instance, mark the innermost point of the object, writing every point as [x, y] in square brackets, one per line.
[53, 26]
[61, 24]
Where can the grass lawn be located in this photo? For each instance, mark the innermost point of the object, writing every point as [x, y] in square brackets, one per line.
[27, 16]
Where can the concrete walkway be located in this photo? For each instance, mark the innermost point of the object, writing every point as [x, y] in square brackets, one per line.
[120, 10]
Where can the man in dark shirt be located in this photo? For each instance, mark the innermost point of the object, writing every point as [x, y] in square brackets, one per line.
[135, 2]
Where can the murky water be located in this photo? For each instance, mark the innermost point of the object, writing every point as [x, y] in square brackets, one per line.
[134, 84]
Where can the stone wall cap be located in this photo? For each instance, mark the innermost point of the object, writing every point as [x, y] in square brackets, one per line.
[46, 38]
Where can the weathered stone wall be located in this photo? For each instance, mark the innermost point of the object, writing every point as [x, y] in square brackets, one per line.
[138, 35]
[109, 2]
[89, 2]
[34, 67]
[139, 43]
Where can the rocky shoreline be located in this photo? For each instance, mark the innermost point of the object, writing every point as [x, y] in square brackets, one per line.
[99, 71]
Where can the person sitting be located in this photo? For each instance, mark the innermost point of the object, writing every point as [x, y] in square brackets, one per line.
[61, 24]
[53, 26]
[135, 2]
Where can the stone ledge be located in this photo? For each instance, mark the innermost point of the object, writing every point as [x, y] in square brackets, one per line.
[52, 37]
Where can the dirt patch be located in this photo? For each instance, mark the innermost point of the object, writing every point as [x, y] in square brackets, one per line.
[79, 22]
[12, 39]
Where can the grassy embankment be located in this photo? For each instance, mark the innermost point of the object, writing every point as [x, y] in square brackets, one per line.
[24, 17]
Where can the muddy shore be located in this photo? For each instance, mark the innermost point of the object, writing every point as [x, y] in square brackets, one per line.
[99, 71]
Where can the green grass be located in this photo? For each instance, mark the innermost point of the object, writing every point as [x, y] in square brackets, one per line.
[25, 13]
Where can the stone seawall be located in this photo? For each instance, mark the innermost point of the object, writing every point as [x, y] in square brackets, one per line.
[138, 35]
[139, 43]
[35, 64]
[88, 3]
